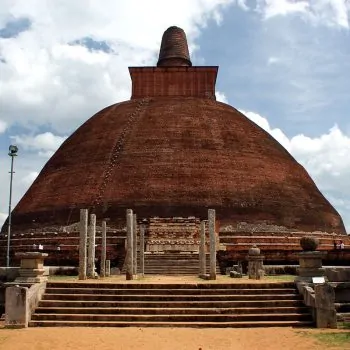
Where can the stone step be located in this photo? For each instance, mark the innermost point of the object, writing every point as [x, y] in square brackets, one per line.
[144, 291]
[170, 304]
[174, 257]
[174, 317]
[179, 297]
[171, 324]
[172, 264]
[169, 273]
[171, 311]
[343, 317]
[179, 286]
[343, 307]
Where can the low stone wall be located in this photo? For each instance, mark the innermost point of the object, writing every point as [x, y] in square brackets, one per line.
[20, 303]
[11, 273]
[8, 274]
[325, 299]
[337, 274]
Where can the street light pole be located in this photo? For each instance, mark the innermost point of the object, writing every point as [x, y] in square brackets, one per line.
[12, 153]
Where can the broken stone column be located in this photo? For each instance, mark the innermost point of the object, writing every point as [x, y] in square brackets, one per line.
[32, 267]
[255, 263]
[108, 268]
[91, 251]
[83, 227]
[202, 255]
[134, 231]
[103, 249]
[142, 250]
[326, 315]
[212, 241]
[129, 245]
[16, 307]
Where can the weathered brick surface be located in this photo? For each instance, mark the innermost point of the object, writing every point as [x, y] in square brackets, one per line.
[173, 81]
[178, 157]
[174, 49]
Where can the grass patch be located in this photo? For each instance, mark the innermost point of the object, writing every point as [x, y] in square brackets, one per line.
[62, 278]
[344, 325]
[334, 339]
[280, 277]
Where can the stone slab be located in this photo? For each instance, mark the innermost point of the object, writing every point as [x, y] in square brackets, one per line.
[16, 307]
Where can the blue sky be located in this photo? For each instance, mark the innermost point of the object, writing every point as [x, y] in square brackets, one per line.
[284, 63]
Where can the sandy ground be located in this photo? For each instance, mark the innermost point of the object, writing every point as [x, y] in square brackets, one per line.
[160, 339]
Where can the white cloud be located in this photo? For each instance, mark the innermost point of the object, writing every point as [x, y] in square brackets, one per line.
[46, 144]
[328, 12]
[29, 178]
[3, 126]
[273, 60]
[221, 97]
[26, 168]
[326, 158]
[271, 8]
[331, 12]
[243, 4]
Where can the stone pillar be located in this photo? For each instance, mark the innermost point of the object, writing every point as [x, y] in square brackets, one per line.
[91, 251]
[32, 267]
[326, 315]
[310, 265]
[212, 241]
[16, 307]
[108, 268]
[202, 255]
[134, 232]
[129, 245]
[82, 243]
[142, 250]
[103, 249]
[255, 263]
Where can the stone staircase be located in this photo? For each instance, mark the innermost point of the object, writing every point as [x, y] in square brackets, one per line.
[171, 305]
[174, 264]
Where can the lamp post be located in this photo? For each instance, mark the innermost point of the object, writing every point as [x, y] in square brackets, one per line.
[12, 153]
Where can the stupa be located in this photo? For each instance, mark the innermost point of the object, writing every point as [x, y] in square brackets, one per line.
[173, 151]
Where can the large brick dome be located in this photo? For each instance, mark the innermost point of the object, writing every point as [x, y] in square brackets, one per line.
[173, 150]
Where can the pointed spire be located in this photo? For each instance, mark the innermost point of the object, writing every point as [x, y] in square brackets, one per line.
[174, 49]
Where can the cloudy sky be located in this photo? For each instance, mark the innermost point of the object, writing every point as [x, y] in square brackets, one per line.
[284, 63]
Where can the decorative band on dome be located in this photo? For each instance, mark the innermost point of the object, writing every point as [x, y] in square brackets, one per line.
[174, 49]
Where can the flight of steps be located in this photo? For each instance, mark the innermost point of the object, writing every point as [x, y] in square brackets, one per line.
[173, 264]
[171, 305]
[343, 313]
